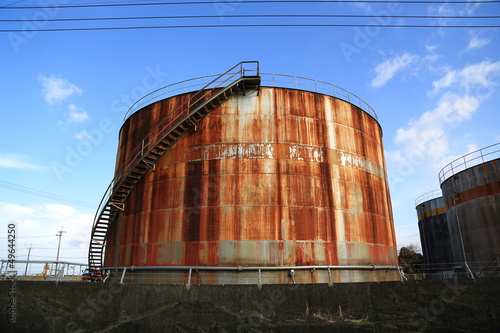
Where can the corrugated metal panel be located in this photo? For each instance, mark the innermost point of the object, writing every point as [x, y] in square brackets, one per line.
[282, 177]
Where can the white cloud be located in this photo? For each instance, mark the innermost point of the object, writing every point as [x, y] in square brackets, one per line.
[37, 226]
[479, 75]
[82, 135]
[76, 114]
[431, 48]
[445, 81]
[476, 79]
[428, 133]
[16, 161]
[56, 89]
[446, 159]
[386, 70]
[424, 143]
[476, 42]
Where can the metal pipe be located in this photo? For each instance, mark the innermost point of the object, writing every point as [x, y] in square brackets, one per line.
[274, 268]
[469, 272]
[123, 275]
[330, 281]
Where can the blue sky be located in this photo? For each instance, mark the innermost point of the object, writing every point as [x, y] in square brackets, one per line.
[63, 94]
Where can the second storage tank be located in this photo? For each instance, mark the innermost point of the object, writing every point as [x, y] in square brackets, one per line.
[434, 232]
[471, 190]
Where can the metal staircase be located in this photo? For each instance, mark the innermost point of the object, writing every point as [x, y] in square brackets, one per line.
[241, 78]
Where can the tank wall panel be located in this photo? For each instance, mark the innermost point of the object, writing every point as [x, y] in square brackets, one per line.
[434, 234]
[285, 177]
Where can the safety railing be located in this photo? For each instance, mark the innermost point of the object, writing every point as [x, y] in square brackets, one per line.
[453, 270]
[268, 79]
[471, 159]
[217, 81]
[259, 276]
[243, 69]
[428, 196]
[182, 113]
[302, 83]
[492, 268]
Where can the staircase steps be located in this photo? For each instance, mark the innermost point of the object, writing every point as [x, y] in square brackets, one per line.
[197, 107]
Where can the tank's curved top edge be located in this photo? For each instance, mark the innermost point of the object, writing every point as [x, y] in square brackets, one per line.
[484, 155]
[432, 195]
[270, 80]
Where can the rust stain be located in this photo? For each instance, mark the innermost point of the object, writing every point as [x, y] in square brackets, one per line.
[285, 177]
[473, 193]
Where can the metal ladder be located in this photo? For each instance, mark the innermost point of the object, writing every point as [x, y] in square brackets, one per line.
[241, 78]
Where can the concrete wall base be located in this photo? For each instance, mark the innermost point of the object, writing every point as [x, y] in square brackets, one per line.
[413, 306]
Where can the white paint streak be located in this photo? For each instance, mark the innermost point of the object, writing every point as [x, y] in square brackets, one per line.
[359, 162]
[306, 153]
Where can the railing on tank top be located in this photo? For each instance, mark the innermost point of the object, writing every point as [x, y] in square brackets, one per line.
[268, 79]
[471, 159]
[428, 196]
[233, 76]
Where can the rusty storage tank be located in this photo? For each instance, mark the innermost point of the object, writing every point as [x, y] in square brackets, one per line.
[471, 190]
[275, 184]
[434, 234]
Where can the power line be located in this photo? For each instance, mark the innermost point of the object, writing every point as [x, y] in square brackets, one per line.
[257, 26]
[258, 16]
[428, 2]
[43, 194]
[30, 237]
[55, 248]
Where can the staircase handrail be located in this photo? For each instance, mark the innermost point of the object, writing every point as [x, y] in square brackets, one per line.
[182, 87]
[145, 147]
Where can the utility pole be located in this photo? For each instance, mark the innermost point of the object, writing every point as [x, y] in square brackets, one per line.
[28, 260]
[59, 234]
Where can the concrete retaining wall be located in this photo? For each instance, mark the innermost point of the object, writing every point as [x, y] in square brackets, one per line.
[413, 306]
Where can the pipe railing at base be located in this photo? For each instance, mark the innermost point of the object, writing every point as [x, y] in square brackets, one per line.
[288, 269]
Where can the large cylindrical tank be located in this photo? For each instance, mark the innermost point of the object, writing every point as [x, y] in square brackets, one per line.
[434, 233]
[472, 197]
[277, 177]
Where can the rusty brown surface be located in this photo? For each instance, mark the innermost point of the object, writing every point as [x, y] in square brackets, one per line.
[473, 193]
[282, 177]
